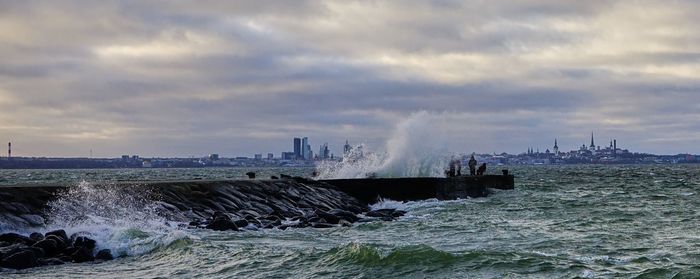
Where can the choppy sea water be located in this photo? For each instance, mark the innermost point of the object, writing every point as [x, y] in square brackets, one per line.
[559, 222]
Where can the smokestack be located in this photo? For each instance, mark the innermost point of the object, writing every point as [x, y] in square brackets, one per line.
[9, 150]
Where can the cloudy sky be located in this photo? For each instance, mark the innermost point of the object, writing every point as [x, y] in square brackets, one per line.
[188, 78]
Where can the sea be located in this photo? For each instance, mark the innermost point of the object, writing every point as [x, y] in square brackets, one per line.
[571, 221]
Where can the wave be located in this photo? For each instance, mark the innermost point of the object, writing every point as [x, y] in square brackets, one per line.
[120, 218]
[418, 147]
[367, 255]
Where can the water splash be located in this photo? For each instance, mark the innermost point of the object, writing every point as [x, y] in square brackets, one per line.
[418, 147]
[119, 217]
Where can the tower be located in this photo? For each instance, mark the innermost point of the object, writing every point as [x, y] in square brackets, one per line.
[9, 150]
[556, 148]
[305, 148]
[346, 148]
[592, 146]
[297, 148]
[614, 147]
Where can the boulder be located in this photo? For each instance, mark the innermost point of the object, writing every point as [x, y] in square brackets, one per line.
[48, 245]
[20, 260]
[16, 238]
[60, 242]
[50, 261]
[85, 242]
[36, 236]
[330, 218]
[104, 254]
[60, 233]
[222, 225]
[321, 225]
[241, 223]
[82, 255]
[344, 214]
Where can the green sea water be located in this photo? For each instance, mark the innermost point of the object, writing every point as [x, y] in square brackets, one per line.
[629, 221]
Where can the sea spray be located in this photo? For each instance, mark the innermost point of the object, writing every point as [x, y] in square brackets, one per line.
[122, 218]
[417, 147]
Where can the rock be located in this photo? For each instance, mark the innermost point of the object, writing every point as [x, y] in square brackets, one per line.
[345, 215]
[379, 213]
[16, 238]
[321, 225]
[11, 249]
[60, 242]
[218, 215]
[38, 252]
[36, 236]
[20, 260]
[85, 242]
[274, 177]
[104, 254]
[222, 225]
[50, 261]
[60, 233]
[82, 255]
[330, 218]
[241, 223]
[398, 213]
[250, 174]
[48, 245]
[345, 223]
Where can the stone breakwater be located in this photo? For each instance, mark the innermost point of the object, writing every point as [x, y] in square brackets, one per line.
[53, 248]
[217, 205]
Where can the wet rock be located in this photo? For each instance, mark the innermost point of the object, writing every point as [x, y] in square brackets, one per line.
[345, 223]
[60, 233]
[222, 225]
[60, 242]
[48, 245]
[345, 215]
[241, 223]
[36, 236]
[82, 255]
[274, 177]
[20, 260]
[398, 213]
[330, 218]
[16, 238]
[104, 254]
[85, 242]
[321, 225]
[50, 261]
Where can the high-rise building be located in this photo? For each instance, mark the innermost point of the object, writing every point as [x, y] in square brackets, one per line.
[297, 148]
[9, 150]
[556, 148]
[305, 148]
[270, 156]
[323, 152]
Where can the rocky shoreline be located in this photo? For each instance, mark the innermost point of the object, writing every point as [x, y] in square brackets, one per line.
[216, 205]
[53, 248]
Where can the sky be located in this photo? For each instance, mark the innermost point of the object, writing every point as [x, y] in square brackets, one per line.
[189, 78]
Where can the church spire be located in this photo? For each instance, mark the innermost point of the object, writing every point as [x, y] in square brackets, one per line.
[592, 142]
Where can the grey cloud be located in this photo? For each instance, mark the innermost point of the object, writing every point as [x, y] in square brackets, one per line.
[244, 77]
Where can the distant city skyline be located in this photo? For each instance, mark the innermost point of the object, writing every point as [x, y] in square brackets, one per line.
[182, 78]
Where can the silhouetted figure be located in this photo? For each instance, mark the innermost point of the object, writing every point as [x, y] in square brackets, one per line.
[472, 165]
[481, 169]
[459, 166]
[453, 166]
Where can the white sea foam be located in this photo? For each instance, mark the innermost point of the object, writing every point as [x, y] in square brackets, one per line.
[121, 218]
[418, 147]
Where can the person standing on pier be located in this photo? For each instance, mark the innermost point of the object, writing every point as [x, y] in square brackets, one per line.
[472, 165]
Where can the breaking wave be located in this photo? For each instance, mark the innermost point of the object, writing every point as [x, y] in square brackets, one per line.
[418, 147]
[122, 219]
